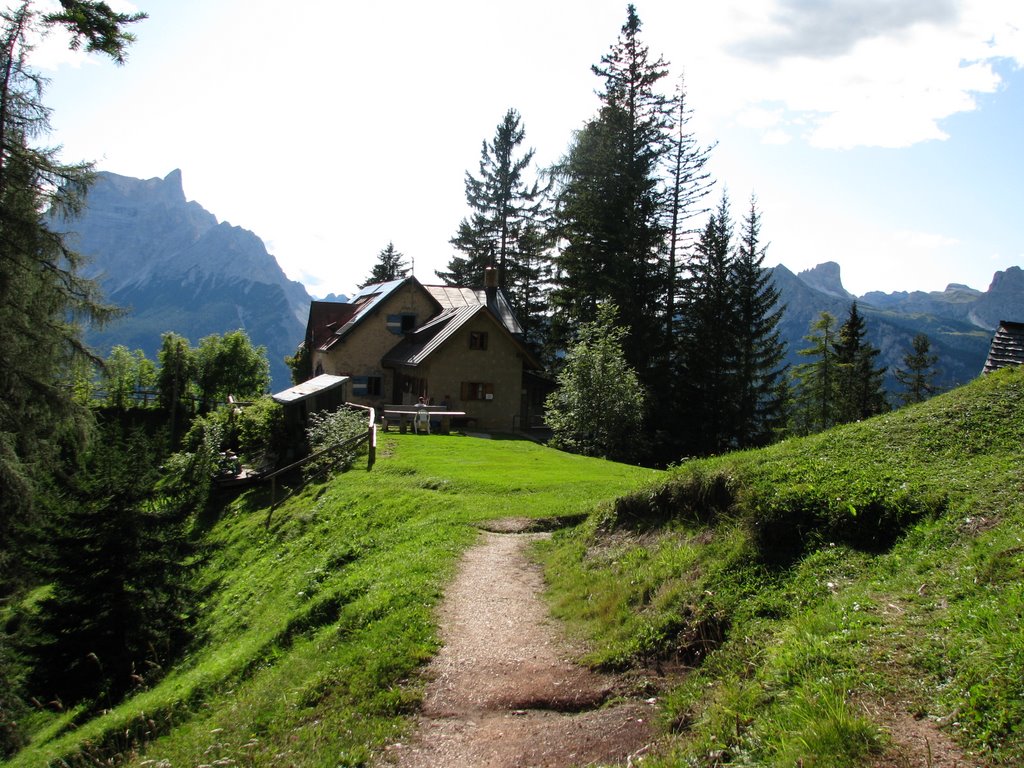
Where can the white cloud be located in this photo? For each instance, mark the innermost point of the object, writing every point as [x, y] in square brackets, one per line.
[863, 77]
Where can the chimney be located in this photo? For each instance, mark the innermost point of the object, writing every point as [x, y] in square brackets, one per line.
[491, 284]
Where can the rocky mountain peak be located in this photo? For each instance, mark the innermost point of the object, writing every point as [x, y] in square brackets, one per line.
[176, 268]
[826, 278]
[1010, 280]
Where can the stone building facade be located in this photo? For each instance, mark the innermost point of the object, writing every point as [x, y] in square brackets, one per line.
[401, 340]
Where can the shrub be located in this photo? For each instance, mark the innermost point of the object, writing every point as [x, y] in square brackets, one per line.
[332, 430]
[260, 431]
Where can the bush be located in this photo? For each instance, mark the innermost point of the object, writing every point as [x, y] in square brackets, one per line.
[330, 430]
[260, 432]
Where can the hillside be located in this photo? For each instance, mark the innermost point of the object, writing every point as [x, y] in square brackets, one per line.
[174, 267]
[315, 619]
[855, 598]
[841, 600]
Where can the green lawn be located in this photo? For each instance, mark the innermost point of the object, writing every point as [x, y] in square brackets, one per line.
[878, 567]
[311, 630]
[808, 591]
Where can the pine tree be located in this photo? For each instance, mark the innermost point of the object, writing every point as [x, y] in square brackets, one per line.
[507, 225]
[609, 208]
[860, 393]
[815, 382]
[760, 371]
[391, 265]
[116, 615]
[918, 375]
[688, 185]
[707, 348]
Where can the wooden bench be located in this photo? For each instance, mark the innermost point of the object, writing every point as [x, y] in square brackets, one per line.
[405, 417]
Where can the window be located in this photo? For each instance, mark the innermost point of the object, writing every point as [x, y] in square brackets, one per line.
[478, 340]
[367, 386]
[472, 390]
[401, 324]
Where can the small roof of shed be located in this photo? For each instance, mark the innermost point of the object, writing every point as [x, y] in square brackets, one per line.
[307, 389]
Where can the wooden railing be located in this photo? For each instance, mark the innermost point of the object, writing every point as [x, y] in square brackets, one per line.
[370, 436]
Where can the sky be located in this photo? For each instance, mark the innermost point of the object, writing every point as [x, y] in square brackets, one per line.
[885, 135]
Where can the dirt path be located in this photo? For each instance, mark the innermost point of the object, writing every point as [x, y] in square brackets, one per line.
[504, 691]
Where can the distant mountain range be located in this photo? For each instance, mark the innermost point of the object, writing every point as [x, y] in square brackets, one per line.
[176, 268]
[958, 321]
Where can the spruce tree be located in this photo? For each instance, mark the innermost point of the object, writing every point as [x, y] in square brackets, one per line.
[117, 612]
[815, 382]
[391, 265]
[707, 352]
[759, 351]
[860, 393]
[43, 296]
[688, 184]
[507, 220]
[609, 207]
[918, 375]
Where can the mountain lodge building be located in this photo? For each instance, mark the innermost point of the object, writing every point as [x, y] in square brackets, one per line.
[402, 340]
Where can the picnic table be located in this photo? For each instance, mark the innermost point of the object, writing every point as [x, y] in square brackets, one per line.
[405, 416]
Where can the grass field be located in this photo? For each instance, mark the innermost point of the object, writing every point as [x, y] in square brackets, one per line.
[819, 600]
[311, 628]
[826, 590]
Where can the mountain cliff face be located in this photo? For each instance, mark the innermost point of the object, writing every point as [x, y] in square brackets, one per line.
[959, 321]
[176, 268]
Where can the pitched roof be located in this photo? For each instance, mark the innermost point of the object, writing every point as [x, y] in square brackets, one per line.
[1007, 346]
[363, 304]
[452, 297]
[417, 346]
[325, 317]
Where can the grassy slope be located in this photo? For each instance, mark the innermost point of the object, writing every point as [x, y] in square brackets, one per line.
[824, 586]
[311, 627]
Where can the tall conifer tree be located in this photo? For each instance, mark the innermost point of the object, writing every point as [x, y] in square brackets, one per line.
[815, 382]
[688, 184]
[117, 610]
[707, 353]
[610, 202]
[860, 391]
[918, 374]
[507, 221]
[42, 295]
[391, 265]
[760, 372]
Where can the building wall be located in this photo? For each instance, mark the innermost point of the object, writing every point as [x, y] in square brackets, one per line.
[360, 353]
[500, 365]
